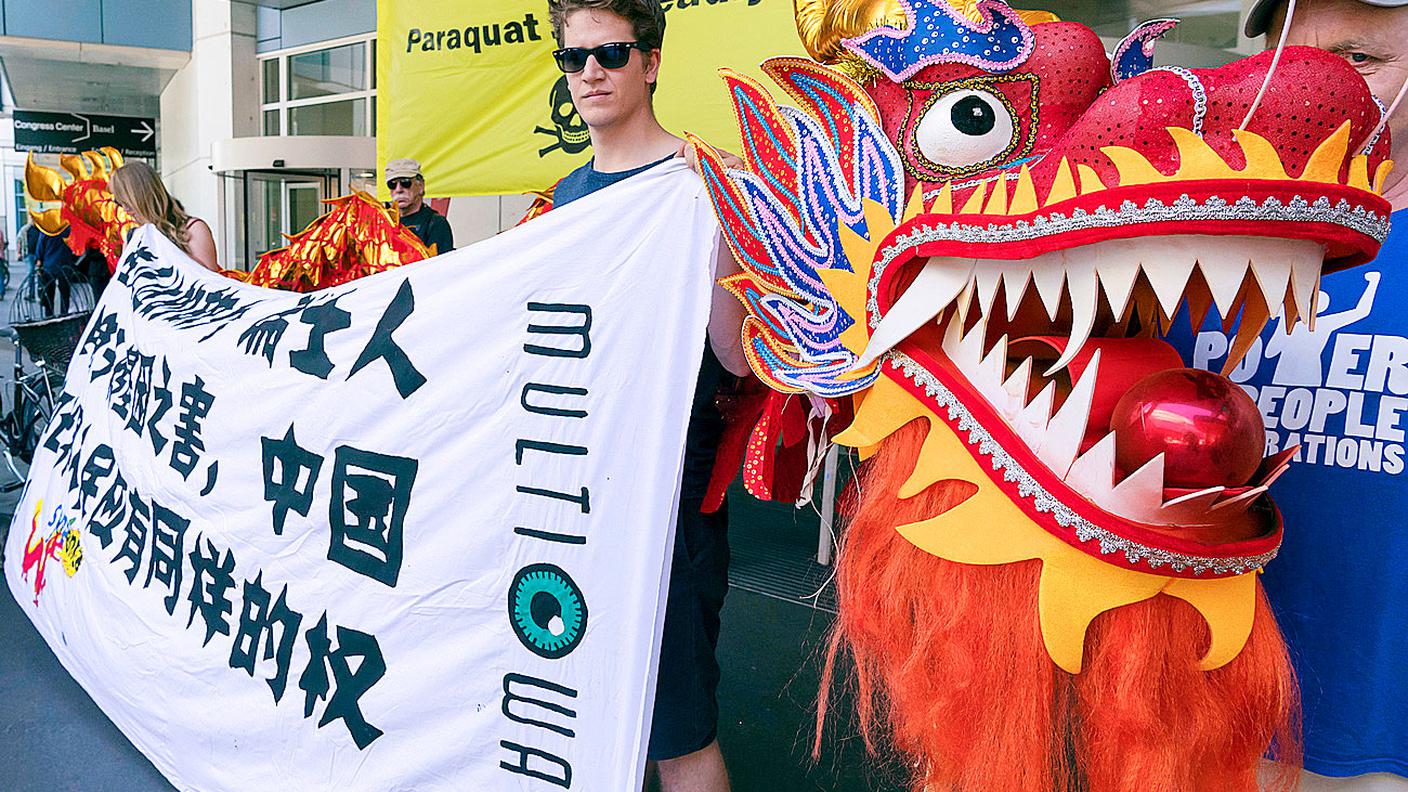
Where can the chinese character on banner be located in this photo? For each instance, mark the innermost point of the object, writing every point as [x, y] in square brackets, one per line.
[370, 495]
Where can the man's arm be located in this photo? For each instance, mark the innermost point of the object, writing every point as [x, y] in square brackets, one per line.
[726, 316]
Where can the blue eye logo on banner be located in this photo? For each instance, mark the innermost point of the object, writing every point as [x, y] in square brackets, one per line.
[547, 610]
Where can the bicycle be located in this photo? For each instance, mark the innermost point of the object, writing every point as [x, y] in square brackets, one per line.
[32, 406]
[47, 318]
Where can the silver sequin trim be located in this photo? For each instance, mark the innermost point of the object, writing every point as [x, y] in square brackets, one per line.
[1200, 95]
[1046, 503]
[1297, 210]
[1383, 111]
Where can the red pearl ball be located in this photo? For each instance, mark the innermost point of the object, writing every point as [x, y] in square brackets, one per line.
[1208, 429]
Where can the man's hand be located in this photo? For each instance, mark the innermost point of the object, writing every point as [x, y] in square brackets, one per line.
[691, 156]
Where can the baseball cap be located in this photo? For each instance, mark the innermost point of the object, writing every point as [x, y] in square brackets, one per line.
[407, 168]
[1259, 18]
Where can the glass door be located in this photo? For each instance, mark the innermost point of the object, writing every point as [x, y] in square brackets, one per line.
[303, 202]
[281, 204]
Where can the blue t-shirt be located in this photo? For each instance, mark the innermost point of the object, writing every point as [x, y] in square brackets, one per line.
[705, 421]
[586, 180]
[53, 255]
[1340, 584]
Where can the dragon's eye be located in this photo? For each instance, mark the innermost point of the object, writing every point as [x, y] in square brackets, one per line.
[965, 128]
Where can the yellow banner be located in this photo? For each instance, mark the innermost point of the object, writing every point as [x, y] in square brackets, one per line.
[471, 90]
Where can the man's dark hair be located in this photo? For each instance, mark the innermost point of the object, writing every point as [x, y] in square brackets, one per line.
[647, 17]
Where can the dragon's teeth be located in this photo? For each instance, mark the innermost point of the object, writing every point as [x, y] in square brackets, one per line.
[1048, 275]
[1271, 266]
[964, 301]
[1141, 494]
[969, 355]
[1083, 287]
[1167, 264]
[986, 278]
[1016, 388]
[1192, 508]
[1276, 464]
[1275, 474]
[1031, 422]
[1305, 282]
[988, 376]
[1240, 502]
[1067, 429]
[1224, 267]
[1204, 495]
[1118, 271]
[1199, 301]
[937, 285]
[953, 336]
[1016, 275]
[1093, 473]
[1254, 319]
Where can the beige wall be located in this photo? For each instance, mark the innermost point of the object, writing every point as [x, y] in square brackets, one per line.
[479, 217]
[213, 97]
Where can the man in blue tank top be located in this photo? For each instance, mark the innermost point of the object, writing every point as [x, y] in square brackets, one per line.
[610, 52]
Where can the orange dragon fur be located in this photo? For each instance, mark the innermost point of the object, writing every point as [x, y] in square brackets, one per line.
[906, 613]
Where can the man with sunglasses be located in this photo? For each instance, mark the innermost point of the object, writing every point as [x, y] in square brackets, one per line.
[407, 186]
[610, 52]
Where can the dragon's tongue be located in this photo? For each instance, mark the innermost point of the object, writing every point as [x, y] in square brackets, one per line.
[1123, 362]
[1209, 432]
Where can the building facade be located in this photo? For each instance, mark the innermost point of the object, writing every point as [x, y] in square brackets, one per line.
[263, 108]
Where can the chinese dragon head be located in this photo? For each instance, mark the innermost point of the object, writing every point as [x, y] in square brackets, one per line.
[82, 204]
[976, 225]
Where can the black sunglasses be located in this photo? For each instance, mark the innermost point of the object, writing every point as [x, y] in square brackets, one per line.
[404, 184]
[610, 56]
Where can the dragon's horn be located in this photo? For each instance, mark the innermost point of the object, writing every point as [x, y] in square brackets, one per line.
[41, 183]
[824, 24]
[114, 156]
[76, 165]
[100, 165]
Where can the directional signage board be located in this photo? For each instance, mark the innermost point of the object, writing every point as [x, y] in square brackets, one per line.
[71, 133]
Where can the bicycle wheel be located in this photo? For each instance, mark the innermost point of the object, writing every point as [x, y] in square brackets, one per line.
[32, 418]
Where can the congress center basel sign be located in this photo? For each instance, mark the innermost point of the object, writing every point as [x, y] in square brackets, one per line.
[44, 132]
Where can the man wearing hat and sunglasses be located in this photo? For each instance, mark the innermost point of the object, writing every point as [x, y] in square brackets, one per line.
[407, 187]
[1339, 587]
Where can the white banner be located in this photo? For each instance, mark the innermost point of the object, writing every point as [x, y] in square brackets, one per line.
[406, 534]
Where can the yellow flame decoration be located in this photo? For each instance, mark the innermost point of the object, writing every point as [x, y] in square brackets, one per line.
[1197, 161]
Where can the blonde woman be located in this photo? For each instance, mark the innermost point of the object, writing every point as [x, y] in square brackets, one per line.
[138, 189]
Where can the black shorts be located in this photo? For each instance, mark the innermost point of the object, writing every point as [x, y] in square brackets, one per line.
[686, 689]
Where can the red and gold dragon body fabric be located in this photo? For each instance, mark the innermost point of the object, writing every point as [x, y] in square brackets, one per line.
[357, 236]
[976, 226]
[82, 204]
